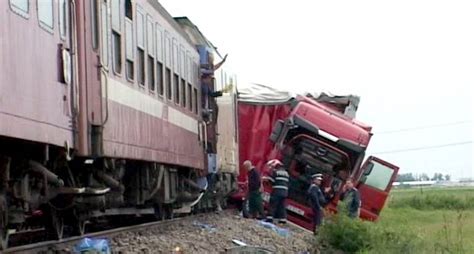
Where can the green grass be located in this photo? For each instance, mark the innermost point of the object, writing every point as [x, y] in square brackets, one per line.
[441, 217]
[429, 220]
[433, 198]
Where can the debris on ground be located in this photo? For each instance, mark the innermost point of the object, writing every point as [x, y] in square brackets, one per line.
[281, 231]
[213, 233]
[91, 245]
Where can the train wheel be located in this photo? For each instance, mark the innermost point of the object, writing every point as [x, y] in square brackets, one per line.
[4, 239]
[169, 212]
[79, 222]
[3, 223]
[56, 227]
[81, 227]
[160, 212]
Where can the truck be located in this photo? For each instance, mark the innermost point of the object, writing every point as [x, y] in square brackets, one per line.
[310, 134]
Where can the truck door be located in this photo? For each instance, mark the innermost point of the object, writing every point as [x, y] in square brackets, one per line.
[374, 186]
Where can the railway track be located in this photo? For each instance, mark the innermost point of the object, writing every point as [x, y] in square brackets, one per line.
[65, 245]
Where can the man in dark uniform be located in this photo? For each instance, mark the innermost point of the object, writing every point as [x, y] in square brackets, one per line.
[317, 200]
[352, 198]
[254, 194]
[279, 179]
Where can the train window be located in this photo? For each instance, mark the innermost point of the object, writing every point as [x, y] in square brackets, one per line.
[150, 45]
[104, 23]
[94, 24]
[150, 37]
[141, 66]
[175, 55]
[20, 6]
[63, 18]
[189, 97]
[115, 15]
[117, 49]
[167, 50]
[195, 72]
[168, 83]
[195, 100]
[45, 13]
[189, 67]
[182, 61]
[159, 60]
[129, 47]
[159, 77]
[140, 32]
[128, 9]
[151, 73]
[130, 68]
[183, 93]
[140, 47]
[176, 88]
[159, 43]
[116, 36]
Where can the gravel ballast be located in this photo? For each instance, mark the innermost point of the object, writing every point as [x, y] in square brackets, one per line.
[211, 233]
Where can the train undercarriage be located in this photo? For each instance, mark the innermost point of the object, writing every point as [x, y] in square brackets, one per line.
[43, 186]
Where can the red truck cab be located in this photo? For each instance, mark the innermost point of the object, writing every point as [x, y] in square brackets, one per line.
[312, 137]
[316, 139]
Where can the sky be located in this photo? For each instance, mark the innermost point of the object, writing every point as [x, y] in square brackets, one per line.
[410, 61]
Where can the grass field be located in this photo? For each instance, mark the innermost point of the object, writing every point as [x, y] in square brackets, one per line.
[442, 218]
[428, 220]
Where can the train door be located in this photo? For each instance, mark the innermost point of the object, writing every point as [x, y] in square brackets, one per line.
[374, 186]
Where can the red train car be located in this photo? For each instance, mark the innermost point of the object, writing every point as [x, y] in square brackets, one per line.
[100, 114]
[36, 106]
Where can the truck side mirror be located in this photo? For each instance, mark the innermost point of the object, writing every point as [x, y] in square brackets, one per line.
[277, 130]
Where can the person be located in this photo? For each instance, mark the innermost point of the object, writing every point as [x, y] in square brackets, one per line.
[317, 200]
[279, 179]
[254, 194]
[210, 68]
[351, 197]
[335, 186]
[207, 78]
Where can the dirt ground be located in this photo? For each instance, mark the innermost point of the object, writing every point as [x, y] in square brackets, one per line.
[212, 233]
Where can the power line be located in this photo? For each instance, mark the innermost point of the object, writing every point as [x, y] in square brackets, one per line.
[424, 127]
[425, 147]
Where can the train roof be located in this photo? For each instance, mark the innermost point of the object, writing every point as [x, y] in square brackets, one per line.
[165, 14]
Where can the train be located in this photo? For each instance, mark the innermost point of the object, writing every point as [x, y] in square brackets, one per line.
[116, 108]
[107, 108]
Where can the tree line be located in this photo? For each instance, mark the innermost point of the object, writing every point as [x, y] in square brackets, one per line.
[410, 177]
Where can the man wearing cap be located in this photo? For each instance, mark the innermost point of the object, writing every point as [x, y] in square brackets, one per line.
[254, 194]
[279, 179]
[317, 200]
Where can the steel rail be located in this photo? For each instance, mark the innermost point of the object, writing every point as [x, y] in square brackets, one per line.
[65, 245]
